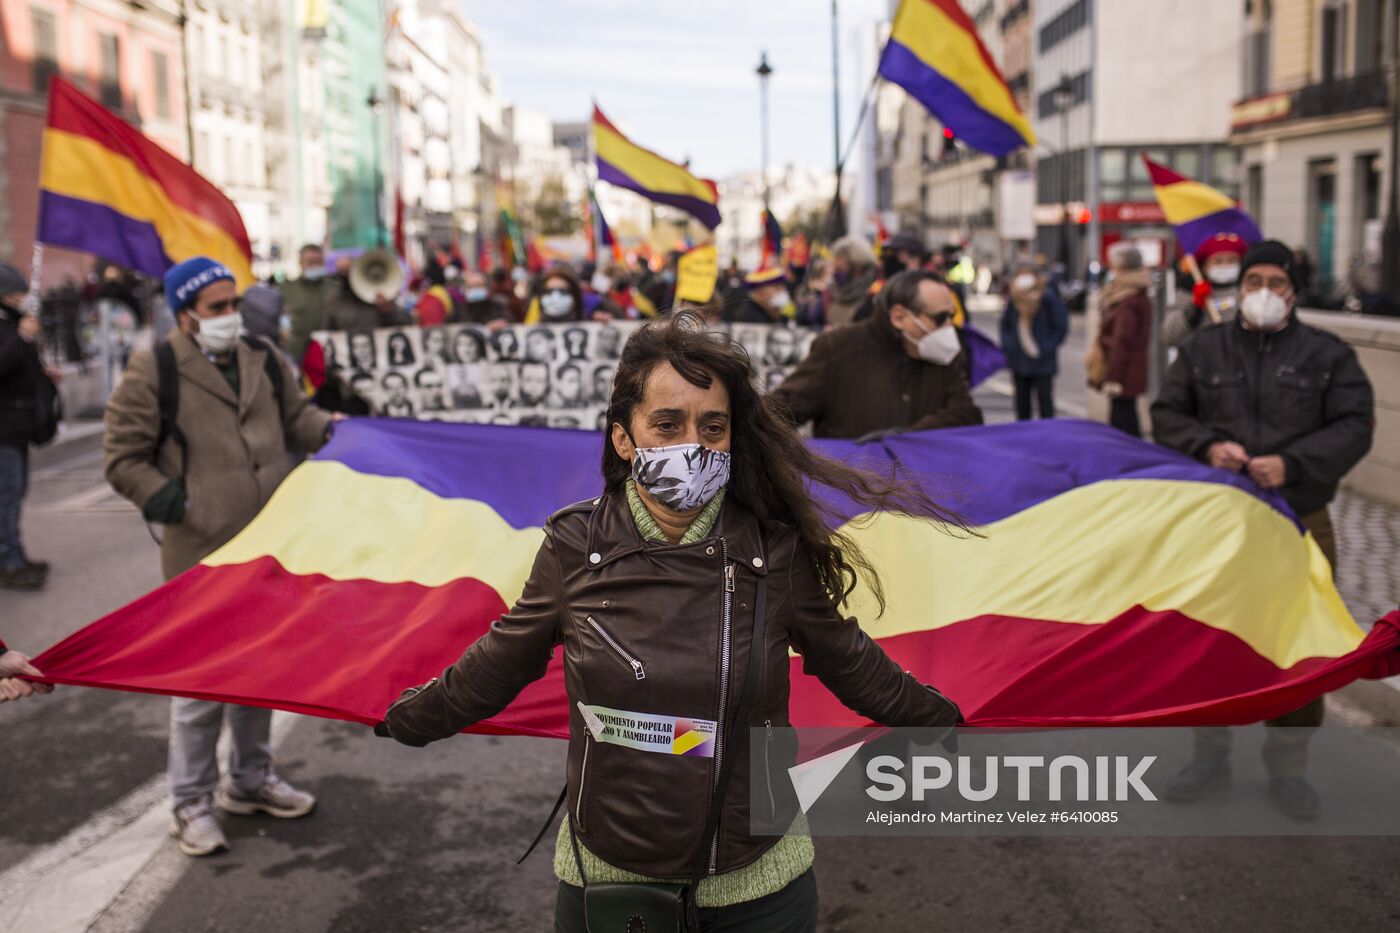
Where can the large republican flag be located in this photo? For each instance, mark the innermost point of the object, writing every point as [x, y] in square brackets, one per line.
[935, 54]
[106, 189]
[623, 163]
[1114, 583]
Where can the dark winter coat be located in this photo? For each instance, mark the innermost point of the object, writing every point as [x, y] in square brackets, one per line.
[1049, 327]
[1299, 393]
[858, 379]
[20, 372]
[1125, 337]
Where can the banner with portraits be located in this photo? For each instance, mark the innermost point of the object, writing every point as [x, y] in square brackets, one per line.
[544, 375]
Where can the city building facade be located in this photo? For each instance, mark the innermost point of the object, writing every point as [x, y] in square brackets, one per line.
[1115, 80]
[127, 56]
[1313, 127]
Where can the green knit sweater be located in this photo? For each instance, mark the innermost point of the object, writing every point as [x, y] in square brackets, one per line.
[774, 869]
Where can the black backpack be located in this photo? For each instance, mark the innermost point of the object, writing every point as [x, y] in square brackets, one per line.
[168, 392]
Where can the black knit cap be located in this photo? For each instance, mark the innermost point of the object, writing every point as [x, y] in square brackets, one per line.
[1270, 253]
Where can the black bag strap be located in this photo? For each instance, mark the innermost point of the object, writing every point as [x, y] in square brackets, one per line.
[549, 821]
[270, 365]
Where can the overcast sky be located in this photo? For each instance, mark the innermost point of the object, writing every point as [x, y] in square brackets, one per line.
[679, 76]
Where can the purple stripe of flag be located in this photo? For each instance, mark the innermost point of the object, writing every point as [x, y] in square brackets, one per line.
[1231, 220]
[985, 472]
[949, 103]
[703, 211]
[95, 228]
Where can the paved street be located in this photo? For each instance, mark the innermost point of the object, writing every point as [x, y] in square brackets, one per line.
[426, 839]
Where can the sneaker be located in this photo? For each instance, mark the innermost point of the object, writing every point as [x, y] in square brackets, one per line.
[197, 830]
[22, 578]
[1198, 778]
[1295, 797]
[276, 798]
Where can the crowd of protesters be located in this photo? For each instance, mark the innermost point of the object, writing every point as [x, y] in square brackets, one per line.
[1252, 390]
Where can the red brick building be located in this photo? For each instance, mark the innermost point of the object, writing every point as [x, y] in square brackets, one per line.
[127, 55]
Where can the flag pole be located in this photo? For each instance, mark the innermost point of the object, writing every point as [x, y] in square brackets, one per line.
[832, 224]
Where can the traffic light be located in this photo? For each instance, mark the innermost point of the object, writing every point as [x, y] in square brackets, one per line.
[1084, 216]
[950, 144]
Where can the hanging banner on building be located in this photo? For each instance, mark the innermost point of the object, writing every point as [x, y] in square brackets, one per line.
[545, 375]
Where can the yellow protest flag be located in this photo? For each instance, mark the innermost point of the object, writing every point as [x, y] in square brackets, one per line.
[696, 273]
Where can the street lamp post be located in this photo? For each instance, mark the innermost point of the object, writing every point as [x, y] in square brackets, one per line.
[1063, 98]
[376, 106]
[763, 71]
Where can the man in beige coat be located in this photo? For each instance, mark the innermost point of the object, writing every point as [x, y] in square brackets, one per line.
[204, 478]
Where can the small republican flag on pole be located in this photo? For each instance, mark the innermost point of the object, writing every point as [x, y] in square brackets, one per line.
[1197, 211]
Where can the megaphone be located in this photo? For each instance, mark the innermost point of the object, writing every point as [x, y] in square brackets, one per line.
[376, 275]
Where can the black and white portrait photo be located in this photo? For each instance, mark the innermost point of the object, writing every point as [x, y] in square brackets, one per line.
[540, 375]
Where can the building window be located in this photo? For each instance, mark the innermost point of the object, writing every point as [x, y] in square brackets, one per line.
[1257, 42]
[1370, 35]
[1079, 93]
[1113, 169]
[160, 75]
[1074, 18]
[1367, 186]
[45, 48]
[1225, 170]
[110, 73]
[1254, 193]
[1334, 37]
[1322, 221]
[1187, 162]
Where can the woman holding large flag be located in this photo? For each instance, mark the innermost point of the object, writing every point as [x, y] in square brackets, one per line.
[706, 542]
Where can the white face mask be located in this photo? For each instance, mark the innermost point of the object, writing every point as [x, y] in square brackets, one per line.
[1224, 275]
[681, 477]
[938, 346]
[1023, 283]
[601, 283]
[556, 304]
[218, 334]
[1263, 309]
[780, 301]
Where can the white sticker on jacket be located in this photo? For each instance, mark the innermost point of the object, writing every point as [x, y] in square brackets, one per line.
[648, 732]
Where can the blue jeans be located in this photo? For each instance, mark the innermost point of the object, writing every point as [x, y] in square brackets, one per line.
[14, 480]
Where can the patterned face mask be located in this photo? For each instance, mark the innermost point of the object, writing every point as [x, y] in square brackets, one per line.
[681, 477]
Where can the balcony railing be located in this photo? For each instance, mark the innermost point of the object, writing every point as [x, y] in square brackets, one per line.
[1369, 91]
[1364, 92]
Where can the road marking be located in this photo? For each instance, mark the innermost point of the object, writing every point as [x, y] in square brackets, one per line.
[121, 853]
[80, 501]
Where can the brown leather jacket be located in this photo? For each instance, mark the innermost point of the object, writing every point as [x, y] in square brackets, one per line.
[858, 379]
[666, 630]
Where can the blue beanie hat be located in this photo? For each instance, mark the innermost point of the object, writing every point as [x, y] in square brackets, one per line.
[184, 281]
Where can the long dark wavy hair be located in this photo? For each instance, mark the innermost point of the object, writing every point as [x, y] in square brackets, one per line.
[772, 469]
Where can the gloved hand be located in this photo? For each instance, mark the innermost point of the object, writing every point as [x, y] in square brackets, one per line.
[1199, 294]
